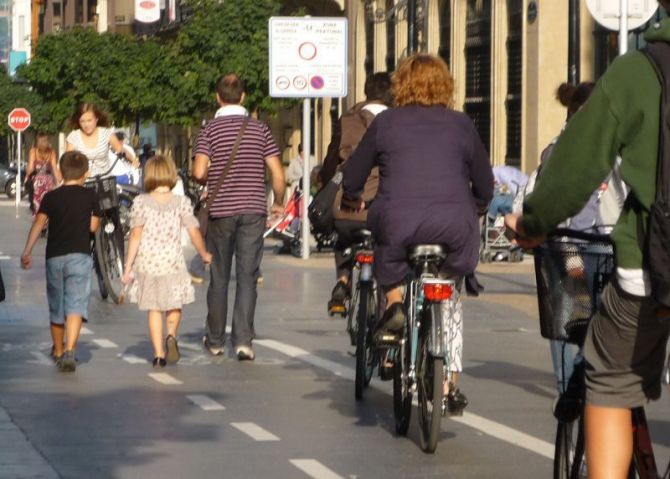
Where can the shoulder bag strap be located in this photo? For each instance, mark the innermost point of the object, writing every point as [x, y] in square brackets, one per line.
[233, 154]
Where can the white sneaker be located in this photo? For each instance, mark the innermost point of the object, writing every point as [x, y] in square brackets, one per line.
[245, 353]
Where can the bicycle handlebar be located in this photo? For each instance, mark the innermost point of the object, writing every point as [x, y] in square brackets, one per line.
[106, 173]
[580, 235]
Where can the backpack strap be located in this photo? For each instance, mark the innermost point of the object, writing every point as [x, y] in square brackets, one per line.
[659, 56]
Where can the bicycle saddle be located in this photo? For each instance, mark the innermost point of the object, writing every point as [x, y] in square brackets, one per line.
[428, 253]
[360, 236]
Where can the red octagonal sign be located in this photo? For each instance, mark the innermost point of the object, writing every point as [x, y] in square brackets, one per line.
[19, 119]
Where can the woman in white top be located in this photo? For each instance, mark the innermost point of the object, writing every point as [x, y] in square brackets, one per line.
[92, 137]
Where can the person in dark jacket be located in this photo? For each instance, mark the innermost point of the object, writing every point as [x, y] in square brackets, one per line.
[434, 177]
[352, 126]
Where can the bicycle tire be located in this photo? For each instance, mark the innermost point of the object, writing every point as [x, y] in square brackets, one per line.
[110, 257]
[351, 324]
[569, 450]
[402, 394]
[361, 338]
[372, 354]
[430, 383]
[104, 294]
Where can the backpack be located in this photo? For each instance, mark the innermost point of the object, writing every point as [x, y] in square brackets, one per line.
[657, 241]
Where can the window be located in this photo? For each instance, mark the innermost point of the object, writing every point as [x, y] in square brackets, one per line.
[92, 11]
[79, 12]
[513, 100]
[390, 37]
[444, 51]
[478, 67]
[369, 46]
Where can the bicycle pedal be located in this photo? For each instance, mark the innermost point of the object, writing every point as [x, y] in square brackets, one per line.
[386, 340]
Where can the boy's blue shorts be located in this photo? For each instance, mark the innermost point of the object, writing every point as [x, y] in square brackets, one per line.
[68, 286]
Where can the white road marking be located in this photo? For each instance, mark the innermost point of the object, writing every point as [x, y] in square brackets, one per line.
[205, 403]
[314, 468]
[164, 378]
[132, 359]
[85, 331]
[492, 428]
[105, 343]
[190, 346]
[5, 257]
[254, 431]
[40, 358]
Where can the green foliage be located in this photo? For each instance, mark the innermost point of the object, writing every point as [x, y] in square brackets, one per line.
[160, 79]
[14, 95]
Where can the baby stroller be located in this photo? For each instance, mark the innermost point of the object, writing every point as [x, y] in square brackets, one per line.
[286, 227]
[494, 244]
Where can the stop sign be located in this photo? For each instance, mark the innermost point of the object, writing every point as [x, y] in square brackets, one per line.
[19, 119]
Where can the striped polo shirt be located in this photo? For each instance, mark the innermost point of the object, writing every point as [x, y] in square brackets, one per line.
[243, 190]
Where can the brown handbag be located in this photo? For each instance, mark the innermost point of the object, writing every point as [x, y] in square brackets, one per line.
[203, 211]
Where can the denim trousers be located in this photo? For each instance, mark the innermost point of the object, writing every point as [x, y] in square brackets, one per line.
[240, 236]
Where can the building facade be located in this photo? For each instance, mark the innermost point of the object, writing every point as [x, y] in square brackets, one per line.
[507, 57]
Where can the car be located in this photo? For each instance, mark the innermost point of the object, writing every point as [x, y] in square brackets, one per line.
[8, 181]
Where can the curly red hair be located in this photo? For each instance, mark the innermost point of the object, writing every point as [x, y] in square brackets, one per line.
[423, 80]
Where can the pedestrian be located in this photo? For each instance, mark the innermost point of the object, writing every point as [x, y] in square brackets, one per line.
[348, 134]
[434, 178]
[238, 210]
[42, 172]
[626, 341]
[73, 214]
[155, 271]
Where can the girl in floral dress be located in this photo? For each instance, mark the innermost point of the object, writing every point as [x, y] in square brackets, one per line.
[155, 272]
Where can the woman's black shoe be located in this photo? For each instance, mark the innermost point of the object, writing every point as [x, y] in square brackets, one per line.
[455, 402]
[337, 298]
[159, 362]
[391, 323]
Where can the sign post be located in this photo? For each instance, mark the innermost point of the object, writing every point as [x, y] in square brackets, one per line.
[622, 15]
[308, 59]
[18, 120]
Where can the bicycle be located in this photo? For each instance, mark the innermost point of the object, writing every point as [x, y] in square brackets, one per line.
[422, 349]
[363, 311]
[107, 247]
[572, 269]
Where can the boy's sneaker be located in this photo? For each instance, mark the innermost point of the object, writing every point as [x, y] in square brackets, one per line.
[172, 350]
[67, 362]
[213, 350]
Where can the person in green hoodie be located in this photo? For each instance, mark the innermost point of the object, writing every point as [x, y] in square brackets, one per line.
[626, 341]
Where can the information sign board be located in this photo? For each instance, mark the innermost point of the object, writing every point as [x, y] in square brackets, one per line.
[308, 57]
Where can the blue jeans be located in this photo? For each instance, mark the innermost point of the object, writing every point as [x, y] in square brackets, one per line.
[68, 286]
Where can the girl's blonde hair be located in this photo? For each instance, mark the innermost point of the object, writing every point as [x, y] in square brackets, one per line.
[159, 171]
[423, 80]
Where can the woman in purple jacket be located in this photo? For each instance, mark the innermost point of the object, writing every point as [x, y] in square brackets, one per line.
[435, 176]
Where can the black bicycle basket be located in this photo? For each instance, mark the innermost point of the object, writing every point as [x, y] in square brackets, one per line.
[105, 190]
[570, 275]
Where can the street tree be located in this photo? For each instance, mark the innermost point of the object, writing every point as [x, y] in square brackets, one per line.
[15, 95]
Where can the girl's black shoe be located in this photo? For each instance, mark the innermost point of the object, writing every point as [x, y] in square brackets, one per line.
[159, 362]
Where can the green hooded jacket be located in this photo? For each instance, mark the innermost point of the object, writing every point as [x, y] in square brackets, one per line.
[620, 117]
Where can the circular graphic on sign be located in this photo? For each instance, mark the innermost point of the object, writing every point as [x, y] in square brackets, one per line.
[307, 51]
[282, 82]
[317, 82]
[300, 82]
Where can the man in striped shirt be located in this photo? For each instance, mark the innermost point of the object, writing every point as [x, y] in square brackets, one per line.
[238, 213]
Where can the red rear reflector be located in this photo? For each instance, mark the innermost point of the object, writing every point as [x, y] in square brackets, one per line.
[437, 291]
[364, 258]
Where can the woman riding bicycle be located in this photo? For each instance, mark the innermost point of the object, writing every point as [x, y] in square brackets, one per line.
[91, 137]
[434, 177]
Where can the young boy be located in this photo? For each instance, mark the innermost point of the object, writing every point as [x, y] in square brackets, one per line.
[73, 214]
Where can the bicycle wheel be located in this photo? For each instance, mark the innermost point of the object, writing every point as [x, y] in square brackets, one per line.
[351, 310]
[430, 380]
[99, 277]
[372, 355]
[109, 251]
[361, 338]
[569, 460]
[402, 392]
